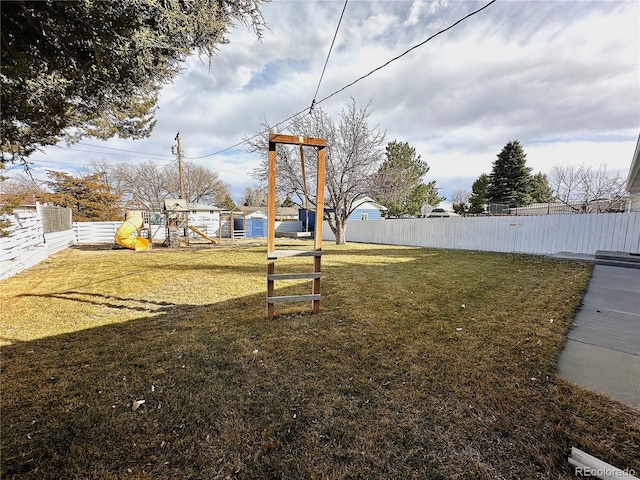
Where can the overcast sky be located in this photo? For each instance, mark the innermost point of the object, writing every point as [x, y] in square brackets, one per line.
[563, 77]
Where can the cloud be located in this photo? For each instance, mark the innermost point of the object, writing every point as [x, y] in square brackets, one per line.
[560, 76]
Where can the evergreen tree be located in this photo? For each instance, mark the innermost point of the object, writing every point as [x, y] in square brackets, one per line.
[227, 203]
[399, 184]
[77, 68]
[541, 191]
[510, 179]
[479, 194]
[89, 199]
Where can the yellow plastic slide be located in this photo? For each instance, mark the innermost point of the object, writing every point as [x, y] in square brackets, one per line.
[126, 233]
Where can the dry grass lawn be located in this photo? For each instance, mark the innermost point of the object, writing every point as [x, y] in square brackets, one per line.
[394, 379]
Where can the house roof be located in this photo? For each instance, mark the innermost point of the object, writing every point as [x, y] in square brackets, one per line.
[633, 179]
[368, 200]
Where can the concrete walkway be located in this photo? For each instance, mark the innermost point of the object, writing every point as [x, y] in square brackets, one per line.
[603, 349]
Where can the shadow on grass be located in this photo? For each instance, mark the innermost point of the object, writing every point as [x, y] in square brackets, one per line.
[380, 387]
[102, 300]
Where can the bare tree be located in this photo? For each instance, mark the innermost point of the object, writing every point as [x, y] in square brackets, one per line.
[586, 189]
[19, 185]
[142, 185]
[201, 184]
[255, 196]
[146, 185]
[353, 154]
[460, 201]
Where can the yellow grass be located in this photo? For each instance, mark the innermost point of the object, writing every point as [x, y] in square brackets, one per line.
[422, 364]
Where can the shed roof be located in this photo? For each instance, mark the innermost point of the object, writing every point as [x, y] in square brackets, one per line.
[280, 211]
[176, 204]
[182, 205]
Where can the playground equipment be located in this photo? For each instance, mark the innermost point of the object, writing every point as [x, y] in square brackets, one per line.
[203, 235]
[177, 216]
[177, 213]
[316, 253]
[127, 233]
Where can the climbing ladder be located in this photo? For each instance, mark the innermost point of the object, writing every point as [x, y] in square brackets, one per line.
[272, 254]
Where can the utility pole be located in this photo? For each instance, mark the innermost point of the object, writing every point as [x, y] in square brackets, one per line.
[182, 197]
[179, 148]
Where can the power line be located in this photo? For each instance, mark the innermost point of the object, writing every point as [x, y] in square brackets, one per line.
[124, 150]
[354, 82]
[146, 156]
[303, 111]
[250, 138]
[406, 52]
[328, 54]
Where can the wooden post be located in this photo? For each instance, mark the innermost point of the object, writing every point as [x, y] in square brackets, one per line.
[317, 237]
[180, 173]
[271, 226]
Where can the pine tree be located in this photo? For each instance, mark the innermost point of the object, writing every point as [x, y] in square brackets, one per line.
[399, 182]
[89, 199]
[510, 179]
[541, 191]
[227, 203]
[72, 69]
[479, 194]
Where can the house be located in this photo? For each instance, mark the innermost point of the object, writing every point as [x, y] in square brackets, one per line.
[633, 180]
[366, 208]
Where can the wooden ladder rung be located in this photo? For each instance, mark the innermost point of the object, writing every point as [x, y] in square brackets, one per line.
[294, 298]
[293, 276]
[293, 253]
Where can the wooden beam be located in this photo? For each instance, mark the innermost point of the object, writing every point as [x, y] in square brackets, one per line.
[293, 298]
[297, 140]
[292, 253]
[294, 276]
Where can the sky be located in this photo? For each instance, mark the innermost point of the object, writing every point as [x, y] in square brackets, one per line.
[562, 77]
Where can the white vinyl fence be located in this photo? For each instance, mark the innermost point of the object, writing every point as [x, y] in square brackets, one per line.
[28, 245]
[548, 234]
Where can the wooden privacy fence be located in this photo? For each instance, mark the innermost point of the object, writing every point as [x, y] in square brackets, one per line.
[543, 235]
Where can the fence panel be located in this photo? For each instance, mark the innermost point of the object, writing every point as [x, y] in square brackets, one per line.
[548, 234]
[24, 247]
[58, 241]
[95, 232]
[25, 233]
[54, 218]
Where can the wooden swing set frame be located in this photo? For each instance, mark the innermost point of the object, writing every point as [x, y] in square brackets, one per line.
[316, 253]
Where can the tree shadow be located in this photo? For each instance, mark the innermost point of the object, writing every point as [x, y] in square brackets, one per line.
[218, 391]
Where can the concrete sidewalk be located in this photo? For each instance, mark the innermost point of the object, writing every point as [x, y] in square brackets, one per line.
[603, 349]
